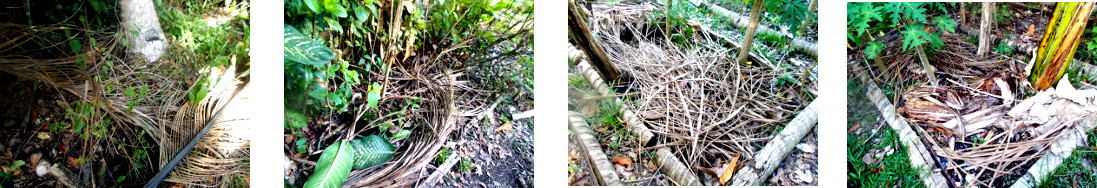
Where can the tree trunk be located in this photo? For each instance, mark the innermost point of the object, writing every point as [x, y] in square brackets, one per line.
[140, 16]
[1061, 40]
[748, 40]
[592, 47]
[963, 14]
[808, 18]
[984, 29]
[925, 64]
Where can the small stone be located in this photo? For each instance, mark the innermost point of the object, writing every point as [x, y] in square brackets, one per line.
[42, 168]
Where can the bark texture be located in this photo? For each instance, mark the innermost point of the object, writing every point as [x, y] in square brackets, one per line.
[140, 15]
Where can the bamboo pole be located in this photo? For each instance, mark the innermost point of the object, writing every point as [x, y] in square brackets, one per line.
[748, 40]
[741, 21]
[603, 169]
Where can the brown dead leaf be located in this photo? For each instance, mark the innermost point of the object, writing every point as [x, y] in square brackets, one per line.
[651, 166]
[651, 115]
[505, 127]
[1031, 30]
[602, 129]
[855, 126]
[623, 161]
[75, 163]
[729, 171]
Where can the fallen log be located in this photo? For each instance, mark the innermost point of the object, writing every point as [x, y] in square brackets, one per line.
[740, 21]
[920, 157]
[769, 158]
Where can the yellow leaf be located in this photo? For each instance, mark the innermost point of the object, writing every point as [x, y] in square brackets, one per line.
[729, 171]
[504, 127]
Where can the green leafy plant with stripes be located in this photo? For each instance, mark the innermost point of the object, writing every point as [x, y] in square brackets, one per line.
[340, 158]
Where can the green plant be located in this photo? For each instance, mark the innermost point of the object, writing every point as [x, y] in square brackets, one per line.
[295, 119]
[301, 147]
[1004, 49]
[466, 165]
[868, 18]
[337, 160]
[307, 71]
[136, 96]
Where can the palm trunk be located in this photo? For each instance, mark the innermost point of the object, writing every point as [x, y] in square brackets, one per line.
[1057, 49]
[755, 14]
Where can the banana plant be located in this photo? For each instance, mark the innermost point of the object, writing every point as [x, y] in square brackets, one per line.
[1064, 33]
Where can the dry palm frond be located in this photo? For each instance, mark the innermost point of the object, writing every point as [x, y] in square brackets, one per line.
[221, 154]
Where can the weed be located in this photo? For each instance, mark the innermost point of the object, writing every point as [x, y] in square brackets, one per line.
[1004, 49]
[1075, 171]
[466, 165]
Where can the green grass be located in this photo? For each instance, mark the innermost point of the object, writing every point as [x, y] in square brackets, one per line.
[891, 170]
[1078, 169]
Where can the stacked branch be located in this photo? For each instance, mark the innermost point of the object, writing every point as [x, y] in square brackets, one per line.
[705, 107]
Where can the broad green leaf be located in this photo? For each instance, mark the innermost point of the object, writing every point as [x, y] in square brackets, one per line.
[318, 94]
[314, 6]
[371, 151]
[301, 49]
[401, 134]
[873, 49]
[361, 14]
[333, 167]
[374, 95]
[295, 119]
[17, 164]
[945, 23]
[75, 45]
[335, 8]
[913, 36]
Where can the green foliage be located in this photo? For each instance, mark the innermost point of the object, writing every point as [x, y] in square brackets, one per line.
[466, 165]
[337, 160]
[302, 49]
[1076, 167]
[865, 18]
[333, 167]
[309, 66]
[1004, 49]
[400, 134]
[374, 95]
[295, 119]
[17, 163]
[371, 151]
[301, 147]
[442, 155]
[85, 119]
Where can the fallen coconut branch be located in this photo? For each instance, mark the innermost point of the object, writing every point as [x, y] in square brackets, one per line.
[780, 146]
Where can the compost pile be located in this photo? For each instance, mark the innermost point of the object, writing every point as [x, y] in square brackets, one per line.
[977, 120]
[705, 107]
